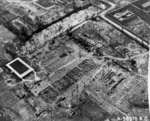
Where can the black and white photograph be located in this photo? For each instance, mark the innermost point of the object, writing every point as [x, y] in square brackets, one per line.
[74, 60]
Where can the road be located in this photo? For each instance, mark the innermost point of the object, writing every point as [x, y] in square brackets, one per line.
[125, 59]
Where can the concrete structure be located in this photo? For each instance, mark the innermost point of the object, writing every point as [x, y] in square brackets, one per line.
[19, 67]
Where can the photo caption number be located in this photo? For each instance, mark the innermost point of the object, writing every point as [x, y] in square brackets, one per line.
[129, 118]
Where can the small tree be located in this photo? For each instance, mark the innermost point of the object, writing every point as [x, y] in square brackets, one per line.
[24, 31]
[39, 22]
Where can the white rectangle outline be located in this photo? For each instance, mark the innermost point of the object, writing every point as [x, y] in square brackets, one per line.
[30, 69]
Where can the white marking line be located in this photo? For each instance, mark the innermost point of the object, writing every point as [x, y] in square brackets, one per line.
[149, 83]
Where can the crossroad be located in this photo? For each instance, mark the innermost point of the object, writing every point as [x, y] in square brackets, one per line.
[119, 27]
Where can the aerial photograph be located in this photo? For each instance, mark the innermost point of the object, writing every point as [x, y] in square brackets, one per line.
[74, 60]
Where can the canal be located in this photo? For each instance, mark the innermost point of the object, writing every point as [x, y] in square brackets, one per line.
[54, 22]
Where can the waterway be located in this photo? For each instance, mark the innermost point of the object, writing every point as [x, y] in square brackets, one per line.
[60, 19]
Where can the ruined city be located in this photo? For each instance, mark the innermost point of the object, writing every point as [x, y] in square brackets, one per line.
[74, 60]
